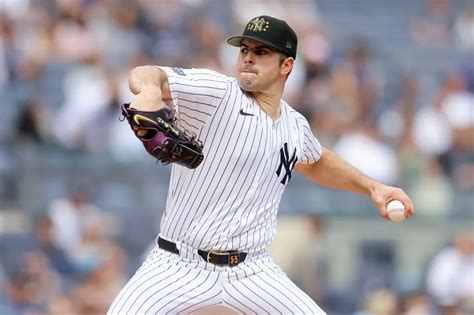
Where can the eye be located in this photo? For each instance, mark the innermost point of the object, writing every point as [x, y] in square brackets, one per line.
[244, 50]
[263, 51]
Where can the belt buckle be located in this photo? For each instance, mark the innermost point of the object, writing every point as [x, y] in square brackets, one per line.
[215, 252]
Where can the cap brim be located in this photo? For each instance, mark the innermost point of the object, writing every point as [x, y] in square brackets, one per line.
[237, 41]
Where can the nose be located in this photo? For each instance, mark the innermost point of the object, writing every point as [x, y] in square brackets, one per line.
[249, 58]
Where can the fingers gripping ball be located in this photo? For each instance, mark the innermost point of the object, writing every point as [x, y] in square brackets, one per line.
[396, 211]
[162, 138]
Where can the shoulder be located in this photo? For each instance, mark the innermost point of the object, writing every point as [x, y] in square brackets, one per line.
[294, 114]
[195, 74]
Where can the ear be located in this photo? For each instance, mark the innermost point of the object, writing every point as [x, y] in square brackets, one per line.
[287, 66]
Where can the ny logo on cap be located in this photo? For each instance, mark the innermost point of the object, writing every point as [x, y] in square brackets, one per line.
[258, 25]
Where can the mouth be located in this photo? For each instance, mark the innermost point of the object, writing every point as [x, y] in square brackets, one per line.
[247, 70]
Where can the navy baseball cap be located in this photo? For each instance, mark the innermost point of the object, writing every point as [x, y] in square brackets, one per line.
[270, 31]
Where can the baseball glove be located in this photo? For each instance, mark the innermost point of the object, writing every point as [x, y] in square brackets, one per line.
[162, 138]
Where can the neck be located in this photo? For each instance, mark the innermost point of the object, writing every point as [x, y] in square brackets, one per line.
[269, 103]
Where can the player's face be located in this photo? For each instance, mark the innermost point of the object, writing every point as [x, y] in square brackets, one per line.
[258, 66]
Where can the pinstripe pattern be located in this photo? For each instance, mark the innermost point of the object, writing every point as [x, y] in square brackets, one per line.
[169, 284]
[229, 202]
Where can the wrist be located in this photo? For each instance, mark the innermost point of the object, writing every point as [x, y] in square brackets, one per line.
[373, 187]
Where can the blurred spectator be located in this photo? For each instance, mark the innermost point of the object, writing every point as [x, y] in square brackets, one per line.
[458, 109]
[432, 191]
[467, 70]
[364, 149]
[357, 80]
[4, 71]
[101, 283]
[445, 128]
[464, 28]
[73, 35]
[33, 123]
[8, 51]
[395, 124]
[87, 93]
[46, 282]
[316, 51]
[5, 307]
[18, 297]
[97, 122]
[301, 13]
[62, 305]
[374, 277]
[105, 131]
[68, 215]
[89, 251]
[338, 102]
[435, 26]
[44, 242]
[458, 104]
[417, 303]
[323, 108]
[450, 278]
[431, 132]
[15, 9]
[108, 21]
[206, 39]
[296, 251]
[380, 302]
[30, 285]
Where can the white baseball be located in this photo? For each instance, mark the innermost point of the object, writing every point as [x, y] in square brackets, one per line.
[396, 211]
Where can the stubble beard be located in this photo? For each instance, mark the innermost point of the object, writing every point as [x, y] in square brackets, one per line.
[247, 82]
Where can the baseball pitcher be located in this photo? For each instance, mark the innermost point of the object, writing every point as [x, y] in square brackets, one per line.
[232, 154]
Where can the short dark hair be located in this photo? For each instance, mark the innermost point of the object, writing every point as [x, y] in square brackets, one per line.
[283, 57]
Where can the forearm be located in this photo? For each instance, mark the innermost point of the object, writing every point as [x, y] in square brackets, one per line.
[334, 172]
[149, 84]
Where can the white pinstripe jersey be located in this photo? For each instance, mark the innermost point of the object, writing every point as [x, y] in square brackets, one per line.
[231, 200]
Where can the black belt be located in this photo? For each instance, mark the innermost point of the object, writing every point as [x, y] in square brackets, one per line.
[216, 257]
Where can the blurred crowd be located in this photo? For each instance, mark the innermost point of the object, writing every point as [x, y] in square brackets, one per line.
[64, 67]
[445, 288]
[68, 264]
[63, 72]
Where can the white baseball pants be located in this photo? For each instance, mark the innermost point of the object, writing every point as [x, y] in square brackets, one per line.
[167, 283]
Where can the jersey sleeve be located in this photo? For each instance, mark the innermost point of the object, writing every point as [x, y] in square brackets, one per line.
[311, 148]
[195, 93]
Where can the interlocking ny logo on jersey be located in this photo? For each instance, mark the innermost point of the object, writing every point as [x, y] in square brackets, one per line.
[286, 163]
[258, 25]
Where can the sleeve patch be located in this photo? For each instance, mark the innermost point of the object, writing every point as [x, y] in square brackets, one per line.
[178, 71]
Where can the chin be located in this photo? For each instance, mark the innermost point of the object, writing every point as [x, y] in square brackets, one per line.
[248, 89]
[245, 85]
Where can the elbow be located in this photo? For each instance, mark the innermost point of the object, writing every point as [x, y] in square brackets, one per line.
[143, 75]
[140, 71]
[134, 79]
